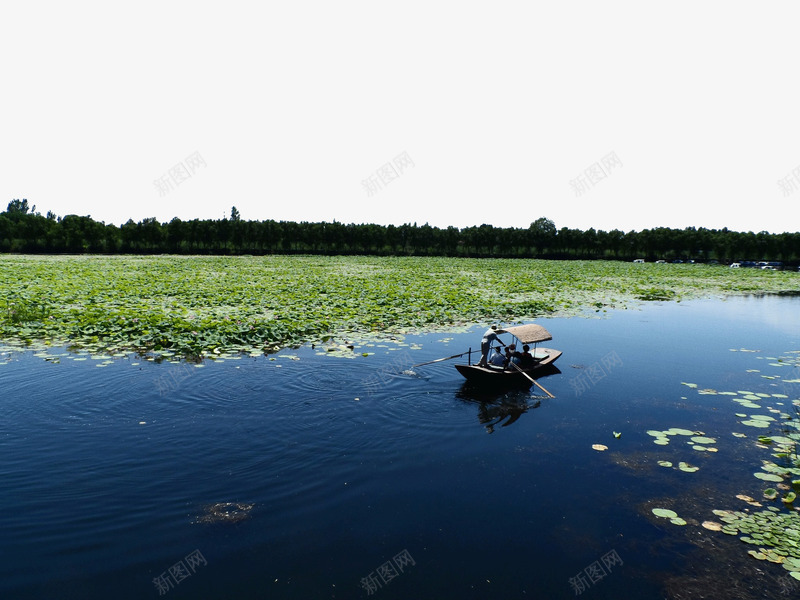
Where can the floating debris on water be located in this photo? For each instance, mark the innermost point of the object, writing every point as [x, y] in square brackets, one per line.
[225, 512]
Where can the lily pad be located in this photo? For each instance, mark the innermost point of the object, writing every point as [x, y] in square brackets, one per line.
[599, 447]
[768, 477]
[748, 404]
[699, 439]
[770, 493]
[665, 513]
[678, 431]
[755, 423]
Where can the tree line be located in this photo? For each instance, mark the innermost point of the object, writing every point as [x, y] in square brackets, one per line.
[23, 230]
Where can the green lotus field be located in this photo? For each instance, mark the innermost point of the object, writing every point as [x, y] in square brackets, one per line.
[195, 306]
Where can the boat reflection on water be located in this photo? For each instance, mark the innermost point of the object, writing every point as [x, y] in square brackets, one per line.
[501, 406]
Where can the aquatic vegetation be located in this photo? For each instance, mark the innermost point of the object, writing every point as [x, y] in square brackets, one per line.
[662, 437]
[777, 535]
[775, 531]
[673, 517]
[703, 440]
[194, 306]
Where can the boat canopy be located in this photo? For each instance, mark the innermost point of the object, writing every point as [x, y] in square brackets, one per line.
[529, 334]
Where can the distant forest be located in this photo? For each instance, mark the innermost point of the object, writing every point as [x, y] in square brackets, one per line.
[23, 230]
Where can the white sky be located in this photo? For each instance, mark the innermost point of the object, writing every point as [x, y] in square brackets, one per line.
[500, 105]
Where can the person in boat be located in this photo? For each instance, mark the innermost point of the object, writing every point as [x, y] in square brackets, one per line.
[486, 343]
[508, 354]
[514, 357]
[526, 358]
[497, 360]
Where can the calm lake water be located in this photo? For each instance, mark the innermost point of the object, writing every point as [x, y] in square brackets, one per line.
[343, 470]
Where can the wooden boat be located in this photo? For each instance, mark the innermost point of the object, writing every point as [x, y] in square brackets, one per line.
[544, 358]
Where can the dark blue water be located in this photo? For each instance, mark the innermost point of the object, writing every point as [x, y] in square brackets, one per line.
[344, 469]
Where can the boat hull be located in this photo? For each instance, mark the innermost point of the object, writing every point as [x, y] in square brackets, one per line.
[499, 377]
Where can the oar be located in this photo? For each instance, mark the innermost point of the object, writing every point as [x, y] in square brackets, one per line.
[439, 360]
[532, 379]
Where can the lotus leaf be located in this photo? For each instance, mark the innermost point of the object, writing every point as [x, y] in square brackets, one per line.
[698, 439]
[755, 423]
[678, 431]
